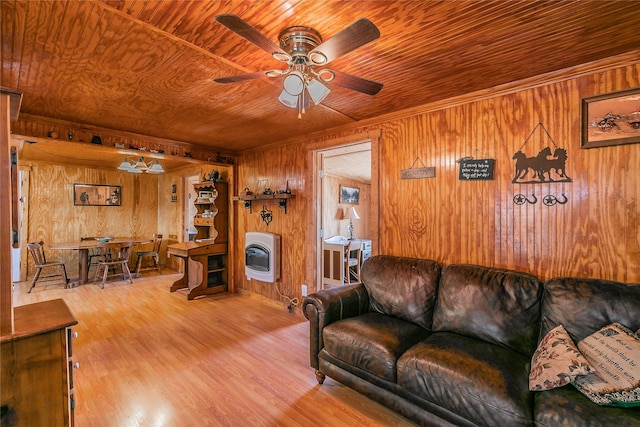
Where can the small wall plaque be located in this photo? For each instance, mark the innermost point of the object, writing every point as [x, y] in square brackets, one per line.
[476, 170]
[418, 173]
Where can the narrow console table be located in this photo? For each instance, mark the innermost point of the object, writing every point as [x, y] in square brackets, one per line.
[205, 267]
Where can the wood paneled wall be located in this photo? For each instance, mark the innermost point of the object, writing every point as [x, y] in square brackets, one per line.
[279, 166]
[595, 234]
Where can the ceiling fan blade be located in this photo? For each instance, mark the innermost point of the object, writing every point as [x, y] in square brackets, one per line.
[241, 77]
[356, 83]
[352, 37]
[246, 31]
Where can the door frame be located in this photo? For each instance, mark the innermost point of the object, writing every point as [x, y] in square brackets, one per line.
[314, 251]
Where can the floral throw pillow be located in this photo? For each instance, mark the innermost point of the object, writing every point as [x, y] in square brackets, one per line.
[556, 361]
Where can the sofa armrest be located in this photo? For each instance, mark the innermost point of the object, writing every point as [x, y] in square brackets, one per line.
[329, 305]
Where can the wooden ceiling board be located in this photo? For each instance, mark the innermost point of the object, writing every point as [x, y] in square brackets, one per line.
[147, 67]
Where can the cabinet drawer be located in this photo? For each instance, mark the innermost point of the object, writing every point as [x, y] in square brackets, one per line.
[203, 221]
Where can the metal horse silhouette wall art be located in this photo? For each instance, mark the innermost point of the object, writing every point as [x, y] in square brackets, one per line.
[546, 166]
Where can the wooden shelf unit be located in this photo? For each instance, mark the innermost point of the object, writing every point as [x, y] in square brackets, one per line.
[217, 226]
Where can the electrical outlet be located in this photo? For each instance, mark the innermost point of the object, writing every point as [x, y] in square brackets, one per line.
[304, 290]
[168, 254]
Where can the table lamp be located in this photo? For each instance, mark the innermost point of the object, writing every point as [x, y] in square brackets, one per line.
[351, 214]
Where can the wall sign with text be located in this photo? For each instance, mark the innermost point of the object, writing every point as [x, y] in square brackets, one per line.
[476, 170]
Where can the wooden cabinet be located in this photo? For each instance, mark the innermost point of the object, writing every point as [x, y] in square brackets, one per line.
[211, 220]
[37, 367]
[205, 268]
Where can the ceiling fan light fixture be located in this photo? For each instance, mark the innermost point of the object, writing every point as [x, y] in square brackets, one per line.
[317, 91]
[294, 83]
[287, 99]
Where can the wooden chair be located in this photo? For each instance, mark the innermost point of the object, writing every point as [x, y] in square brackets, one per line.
[155, 253]
[115, 255]
[36, 249]
[352, 260]
[94, 254]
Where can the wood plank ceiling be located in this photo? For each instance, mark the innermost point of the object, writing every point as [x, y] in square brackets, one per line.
[147, 66]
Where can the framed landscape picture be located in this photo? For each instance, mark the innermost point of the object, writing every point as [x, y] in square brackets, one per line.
[349, 195]
[611, 119]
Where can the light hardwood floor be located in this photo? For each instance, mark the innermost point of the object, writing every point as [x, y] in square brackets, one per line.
[149, 357]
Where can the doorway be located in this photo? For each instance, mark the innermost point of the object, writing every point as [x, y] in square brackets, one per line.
[349, 165]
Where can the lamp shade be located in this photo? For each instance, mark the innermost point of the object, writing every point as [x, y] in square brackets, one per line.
[155, 168]
[141, 165]
[288, 100]
[351, 214]
[294, 83]
[125, 165]
[317, 91]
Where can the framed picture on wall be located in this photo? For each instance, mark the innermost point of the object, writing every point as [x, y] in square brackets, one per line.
[611, 119]
[96, 195]
[349, 195]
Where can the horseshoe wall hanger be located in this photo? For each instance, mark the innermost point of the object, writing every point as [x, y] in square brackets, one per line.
[521, 199]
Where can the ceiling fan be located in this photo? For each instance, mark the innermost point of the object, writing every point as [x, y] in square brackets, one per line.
[303, 49]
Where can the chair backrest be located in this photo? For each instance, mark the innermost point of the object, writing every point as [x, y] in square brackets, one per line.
[352, 252]
[36, 249]
[118, 251]
[157, 241]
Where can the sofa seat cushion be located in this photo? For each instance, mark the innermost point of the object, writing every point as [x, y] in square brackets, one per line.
[372, 342]
[481, 382]
[568, 407]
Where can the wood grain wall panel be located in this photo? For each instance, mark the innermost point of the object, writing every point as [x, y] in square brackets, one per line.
[595, 234]
[277, 165]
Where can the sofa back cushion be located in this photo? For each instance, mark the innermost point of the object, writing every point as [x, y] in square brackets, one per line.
[402, 287]
[494, 305]
[584, 306]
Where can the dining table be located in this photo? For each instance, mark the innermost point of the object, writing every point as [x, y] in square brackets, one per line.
[84, 246]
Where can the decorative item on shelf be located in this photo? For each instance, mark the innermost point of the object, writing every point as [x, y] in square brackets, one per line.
[266, 215]
[214, 176]
[96, 140]
[140, 166]
[246, 192]
[351, 215]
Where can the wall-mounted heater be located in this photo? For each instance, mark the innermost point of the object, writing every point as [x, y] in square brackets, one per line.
[262, 256]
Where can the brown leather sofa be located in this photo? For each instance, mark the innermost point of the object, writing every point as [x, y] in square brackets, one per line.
[453, 345]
